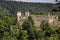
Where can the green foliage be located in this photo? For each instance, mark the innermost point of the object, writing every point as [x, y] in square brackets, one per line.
[56, 7]
[10, 30]
[6, 30]
[14, 29]
[53, 37]
[22, 35]
[47, 29]
[8, 36]
[12, 6]
[29, 26]
[31, 20]
[39, 35]
[31, 33]
[58, 31]
[26, 25]
[56, 10]
[42, 12]
[44, 26]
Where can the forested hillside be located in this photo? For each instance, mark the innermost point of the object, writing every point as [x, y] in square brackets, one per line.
[13, 6]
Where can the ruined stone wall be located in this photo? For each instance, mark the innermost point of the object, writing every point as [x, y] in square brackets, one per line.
[52, 19]
[39, 18]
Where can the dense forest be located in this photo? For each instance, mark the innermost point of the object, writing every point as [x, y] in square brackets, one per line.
[13, 6]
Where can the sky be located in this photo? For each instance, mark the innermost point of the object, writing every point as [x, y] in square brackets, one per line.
[49, 1]
[44, 1]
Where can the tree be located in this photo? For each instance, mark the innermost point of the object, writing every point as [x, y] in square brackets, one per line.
[44, 26]
[31, 33]
[58, 32]
[26, 24]
[39, 35]
[6, 21]
[22, 35]
[8, 36]
[31, 20]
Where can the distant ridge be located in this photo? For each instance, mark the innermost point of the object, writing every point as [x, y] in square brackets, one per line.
[14, 6]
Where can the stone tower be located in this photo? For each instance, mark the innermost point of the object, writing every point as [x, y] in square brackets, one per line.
[18, 16]
[21, 17]
[27, 13]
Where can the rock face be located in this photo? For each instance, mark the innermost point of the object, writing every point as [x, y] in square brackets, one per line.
[52, 20]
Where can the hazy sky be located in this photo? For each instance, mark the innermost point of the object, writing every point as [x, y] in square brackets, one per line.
[50, 1]
[44, 1]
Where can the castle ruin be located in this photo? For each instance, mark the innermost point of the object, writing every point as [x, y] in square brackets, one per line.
[52, 19]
